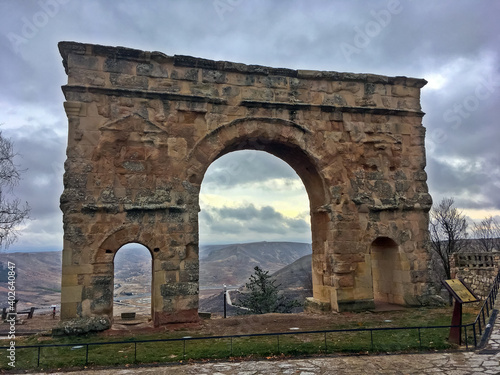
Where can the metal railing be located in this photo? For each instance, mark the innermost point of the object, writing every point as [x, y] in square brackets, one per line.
[372, 346]
[469, 331]
[485, 312]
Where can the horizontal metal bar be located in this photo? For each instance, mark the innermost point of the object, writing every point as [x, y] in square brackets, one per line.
[240, 336]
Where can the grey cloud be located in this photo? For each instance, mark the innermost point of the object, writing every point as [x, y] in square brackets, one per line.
[41, 158]
[249, 221]
[465, 184]
[243, 167]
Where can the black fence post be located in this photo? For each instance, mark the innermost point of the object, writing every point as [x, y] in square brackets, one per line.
[38, 361]
[466, 338]
[474, 334]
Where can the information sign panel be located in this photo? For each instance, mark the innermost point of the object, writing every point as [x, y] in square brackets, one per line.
[460, 291]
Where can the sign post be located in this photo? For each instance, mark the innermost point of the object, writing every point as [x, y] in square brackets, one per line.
[225, 299]
[461, 294]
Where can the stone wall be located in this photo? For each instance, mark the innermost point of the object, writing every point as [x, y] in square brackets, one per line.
[144, 127]
[478, 270]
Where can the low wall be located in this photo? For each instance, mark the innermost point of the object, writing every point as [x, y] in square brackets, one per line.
[478, 270]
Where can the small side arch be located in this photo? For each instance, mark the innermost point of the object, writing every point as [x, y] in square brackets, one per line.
[101, 287]
[388, 264]
[115, 240]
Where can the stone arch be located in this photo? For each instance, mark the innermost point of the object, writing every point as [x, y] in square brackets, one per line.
[98, 295]
[115, 240]
[282, 138]
[144, 127]
[286, 140]
[387, 266]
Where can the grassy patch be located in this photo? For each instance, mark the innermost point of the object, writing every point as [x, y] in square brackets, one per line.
[290, 344]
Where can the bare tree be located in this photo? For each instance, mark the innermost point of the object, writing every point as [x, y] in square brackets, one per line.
[448, 231]
[487, 234]
[12, 211]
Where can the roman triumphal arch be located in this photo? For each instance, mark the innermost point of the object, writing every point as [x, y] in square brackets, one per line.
[144, 127]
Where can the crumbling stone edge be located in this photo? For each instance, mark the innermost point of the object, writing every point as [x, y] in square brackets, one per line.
[81, 326]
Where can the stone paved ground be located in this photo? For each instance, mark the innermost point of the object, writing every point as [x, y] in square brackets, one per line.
[462, 363]
[456, 363]
[494, 341]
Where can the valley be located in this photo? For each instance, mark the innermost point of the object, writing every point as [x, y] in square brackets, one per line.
[38, 280]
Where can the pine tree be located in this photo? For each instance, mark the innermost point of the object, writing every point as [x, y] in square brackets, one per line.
[263, 296]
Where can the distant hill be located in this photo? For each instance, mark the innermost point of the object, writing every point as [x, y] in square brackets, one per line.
[233, 264]
[295, 282]
[133, 265]
[38, 277]
[297, 275]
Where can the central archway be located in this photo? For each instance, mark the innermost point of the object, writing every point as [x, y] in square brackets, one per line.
[287, 141]
[254, 212]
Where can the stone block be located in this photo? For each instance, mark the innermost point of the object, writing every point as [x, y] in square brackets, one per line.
[78, 270]
[356, 305]
[213, 76]
[343, 267]
[315, 306]
[403, 91]
[71, 294]
[179, 289]
[69, 310]
[128, 81]
[183, 316]
[170, 265]
[177, 147]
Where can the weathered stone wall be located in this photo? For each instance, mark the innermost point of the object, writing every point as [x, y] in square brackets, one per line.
[478, 270]
[144, 127]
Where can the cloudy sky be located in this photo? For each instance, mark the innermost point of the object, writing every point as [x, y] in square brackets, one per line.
[249, 196]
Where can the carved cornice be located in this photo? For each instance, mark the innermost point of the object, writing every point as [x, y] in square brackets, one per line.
[330, 108]
[144, 94]
[66, 48]
[72, 108]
